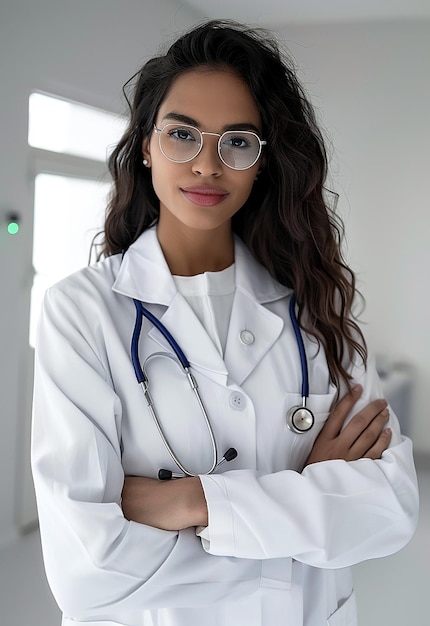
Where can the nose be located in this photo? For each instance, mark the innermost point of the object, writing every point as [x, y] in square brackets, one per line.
[207, 162]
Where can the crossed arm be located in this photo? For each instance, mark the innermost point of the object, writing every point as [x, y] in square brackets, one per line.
[179, 504]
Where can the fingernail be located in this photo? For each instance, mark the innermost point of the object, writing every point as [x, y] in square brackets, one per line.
[357, 389]
[385, 412]
[387, 431]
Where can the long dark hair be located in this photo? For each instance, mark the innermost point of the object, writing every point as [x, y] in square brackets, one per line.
[286, 222]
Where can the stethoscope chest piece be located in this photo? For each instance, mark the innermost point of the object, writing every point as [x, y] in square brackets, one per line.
[300, 419]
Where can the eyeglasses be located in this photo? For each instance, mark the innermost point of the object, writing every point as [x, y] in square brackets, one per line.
[238, 149]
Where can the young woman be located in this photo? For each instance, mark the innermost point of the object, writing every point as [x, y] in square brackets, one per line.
[218, 233]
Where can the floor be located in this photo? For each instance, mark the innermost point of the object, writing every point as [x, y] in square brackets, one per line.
[391, 591]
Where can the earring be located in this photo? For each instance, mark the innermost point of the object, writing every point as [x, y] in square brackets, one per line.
[145, 162]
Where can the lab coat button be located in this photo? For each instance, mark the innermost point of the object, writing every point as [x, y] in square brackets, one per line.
[247, 337]
[238, 401]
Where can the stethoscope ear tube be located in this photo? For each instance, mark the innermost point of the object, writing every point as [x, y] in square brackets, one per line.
[135, 344]
[301, 348]
[141, 310]
[142, 378]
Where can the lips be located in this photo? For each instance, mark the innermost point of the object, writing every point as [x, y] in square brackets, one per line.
[204, 195]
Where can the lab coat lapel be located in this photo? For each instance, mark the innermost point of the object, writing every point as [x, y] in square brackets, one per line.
[253, 327]
[241, 358]
[144, 275]
[252, 332]
[181, 321]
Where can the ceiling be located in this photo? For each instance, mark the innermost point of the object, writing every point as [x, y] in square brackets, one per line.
[277, 13]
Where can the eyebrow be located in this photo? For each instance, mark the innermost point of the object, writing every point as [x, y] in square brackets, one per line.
[184, 119]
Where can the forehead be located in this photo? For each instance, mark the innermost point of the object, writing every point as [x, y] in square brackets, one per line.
[214, 98]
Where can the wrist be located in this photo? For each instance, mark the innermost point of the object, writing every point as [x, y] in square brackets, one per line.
[197, 502]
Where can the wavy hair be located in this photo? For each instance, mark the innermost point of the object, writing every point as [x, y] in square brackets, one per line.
[286, 222]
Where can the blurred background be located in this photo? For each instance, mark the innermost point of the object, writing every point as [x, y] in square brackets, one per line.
[366, 67]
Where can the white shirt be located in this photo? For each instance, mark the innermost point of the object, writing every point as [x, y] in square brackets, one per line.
[210, 295]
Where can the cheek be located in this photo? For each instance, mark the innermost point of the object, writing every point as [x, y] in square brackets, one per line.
[245, 185]
[160, 186]
[162, 176]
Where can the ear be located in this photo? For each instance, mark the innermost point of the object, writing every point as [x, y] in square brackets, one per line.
[146, 153]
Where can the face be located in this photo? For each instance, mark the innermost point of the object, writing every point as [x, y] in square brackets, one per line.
[204, 193]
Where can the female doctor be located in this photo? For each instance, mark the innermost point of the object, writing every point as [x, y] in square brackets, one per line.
[220, 249]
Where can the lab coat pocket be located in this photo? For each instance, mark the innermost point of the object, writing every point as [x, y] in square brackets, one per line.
[346, 614]
[301, 443]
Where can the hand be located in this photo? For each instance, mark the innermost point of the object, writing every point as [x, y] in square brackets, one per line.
[169, 505]
[364, 436]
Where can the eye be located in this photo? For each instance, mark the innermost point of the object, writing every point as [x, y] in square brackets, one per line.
[236, 141]
[182, 134]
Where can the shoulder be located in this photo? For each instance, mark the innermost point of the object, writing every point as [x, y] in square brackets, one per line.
[84, 293]
[93, 279]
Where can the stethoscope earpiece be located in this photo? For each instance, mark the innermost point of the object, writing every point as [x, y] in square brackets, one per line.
[229, 455]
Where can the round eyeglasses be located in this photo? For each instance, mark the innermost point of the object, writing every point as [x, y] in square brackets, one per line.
[238, 149]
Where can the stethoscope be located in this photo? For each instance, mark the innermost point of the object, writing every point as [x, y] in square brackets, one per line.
[300, 418]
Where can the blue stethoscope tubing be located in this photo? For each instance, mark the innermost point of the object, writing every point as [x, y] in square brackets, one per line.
[143, 380]
[299, 418]
[301, 348]
[141, 312]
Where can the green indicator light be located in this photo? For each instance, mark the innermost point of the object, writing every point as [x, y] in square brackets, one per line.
[12, 228]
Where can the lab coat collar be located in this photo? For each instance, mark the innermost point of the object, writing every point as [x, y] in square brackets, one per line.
[145, 275]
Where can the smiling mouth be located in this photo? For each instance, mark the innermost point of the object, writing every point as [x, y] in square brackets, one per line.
[204, 197]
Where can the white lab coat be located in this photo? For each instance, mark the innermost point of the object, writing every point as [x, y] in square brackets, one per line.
[279, 542]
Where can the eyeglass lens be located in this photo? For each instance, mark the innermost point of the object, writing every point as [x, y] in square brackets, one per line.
[237, 149]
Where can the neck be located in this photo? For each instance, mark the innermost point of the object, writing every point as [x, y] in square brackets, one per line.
[190, 252]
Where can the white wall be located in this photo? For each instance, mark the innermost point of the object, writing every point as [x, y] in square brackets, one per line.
[85, 50]
[370, 82]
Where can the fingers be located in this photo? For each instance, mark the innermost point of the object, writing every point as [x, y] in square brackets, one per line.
[337, 416]
[380, 446]
[370, 437]
[364, 436]
[363, 423]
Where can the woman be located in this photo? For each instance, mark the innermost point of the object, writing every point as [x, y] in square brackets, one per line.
[217, 225]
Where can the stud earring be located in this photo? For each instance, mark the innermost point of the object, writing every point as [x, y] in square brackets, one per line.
[145, 162]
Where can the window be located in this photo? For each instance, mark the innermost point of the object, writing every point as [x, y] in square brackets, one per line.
[72, 128]
[68, 213]
[70, 143]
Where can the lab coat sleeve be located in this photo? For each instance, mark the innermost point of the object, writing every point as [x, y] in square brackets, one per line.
[332, 515]
[96, 561]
